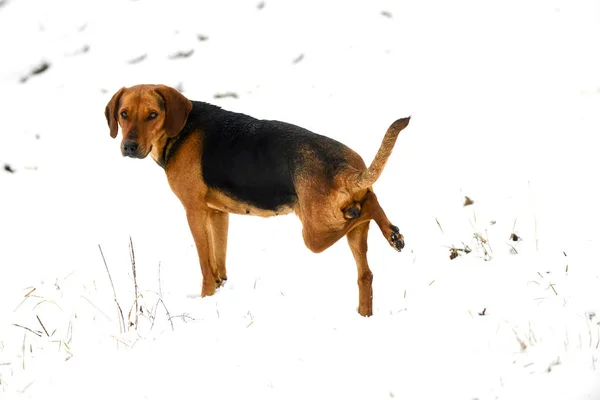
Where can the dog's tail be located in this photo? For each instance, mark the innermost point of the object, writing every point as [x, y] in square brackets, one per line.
[368, 177]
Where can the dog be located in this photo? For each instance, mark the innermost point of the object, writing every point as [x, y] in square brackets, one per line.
[220, 162]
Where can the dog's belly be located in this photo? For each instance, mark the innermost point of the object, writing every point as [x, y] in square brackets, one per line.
[257, 176]
[218, 200]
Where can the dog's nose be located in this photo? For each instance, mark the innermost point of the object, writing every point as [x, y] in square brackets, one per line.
[130, 148]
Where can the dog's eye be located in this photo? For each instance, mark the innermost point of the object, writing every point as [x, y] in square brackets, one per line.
[124, 114]
[152, 116]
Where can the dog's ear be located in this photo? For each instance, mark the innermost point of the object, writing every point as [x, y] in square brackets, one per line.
[111, 112]
[177, 109]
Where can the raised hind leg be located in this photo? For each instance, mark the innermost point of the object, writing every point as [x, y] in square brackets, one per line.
[389, 230]
[319, 236]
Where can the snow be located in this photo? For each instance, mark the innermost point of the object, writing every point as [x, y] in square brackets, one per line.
[504, 98]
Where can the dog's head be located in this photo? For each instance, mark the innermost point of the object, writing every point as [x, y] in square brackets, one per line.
[148, 115]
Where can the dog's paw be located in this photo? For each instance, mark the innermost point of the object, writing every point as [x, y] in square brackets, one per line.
[221, 281]
[396, 238]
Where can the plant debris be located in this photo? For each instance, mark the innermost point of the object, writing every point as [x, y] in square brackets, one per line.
[138, 59]
[298, 59]
[39, 69]
[455, 251]
[181, 54]
[223, 95]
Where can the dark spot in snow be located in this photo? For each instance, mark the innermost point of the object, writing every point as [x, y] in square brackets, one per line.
[298, 59]
[260, 5]
[181, 54]
[202, 38]
[453, 253]
[223, 95]
[468, 201]
[386, 14]
[80, 51]
[8, 168]
[138, 59]
[39, 69]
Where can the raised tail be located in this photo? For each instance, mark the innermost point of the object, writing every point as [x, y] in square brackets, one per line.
[367, 178]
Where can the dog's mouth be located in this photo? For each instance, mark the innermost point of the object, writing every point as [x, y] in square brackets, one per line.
[134, 150]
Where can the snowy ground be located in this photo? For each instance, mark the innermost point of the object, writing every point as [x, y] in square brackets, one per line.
[504, 97]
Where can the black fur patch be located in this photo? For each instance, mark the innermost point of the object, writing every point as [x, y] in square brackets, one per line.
[256, 161]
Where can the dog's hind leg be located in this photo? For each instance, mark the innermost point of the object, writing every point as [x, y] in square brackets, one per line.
[390, 231]
[318, 236]
[357, 239]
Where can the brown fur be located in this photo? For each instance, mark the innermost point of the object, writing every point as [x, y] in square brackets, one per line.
[327, 209]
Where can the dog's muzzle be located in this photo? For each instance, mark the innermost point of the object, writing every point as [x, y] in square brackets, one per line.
[130, 149]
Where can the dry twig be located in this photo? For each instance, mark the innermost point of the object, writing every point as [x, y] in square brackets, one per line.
[119, 310]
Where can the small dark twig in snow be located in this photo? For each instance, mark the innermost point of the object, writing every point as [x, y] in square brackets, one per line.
[298, 59]
[166, 310]
[37, 333]
[41, 68]
[119, 310]
[232, 95]
[181, 54]
[40, 321]
[137, 59]
[439, 225]
[135, 285]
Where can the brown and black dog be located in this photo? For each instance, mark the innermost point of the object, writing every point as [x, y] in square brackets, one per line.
[220, 162]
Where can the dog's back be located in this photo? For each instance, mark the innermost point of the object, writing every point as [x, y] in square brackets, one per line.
[258, 161]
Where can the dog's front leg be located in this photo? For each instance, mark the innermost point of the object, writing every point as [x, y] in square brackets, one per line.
[199, 222]
[219, 224]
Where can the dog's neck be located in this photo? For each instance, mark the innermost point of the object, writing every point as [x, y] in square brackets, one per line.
[167, 152]
[170, 148]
